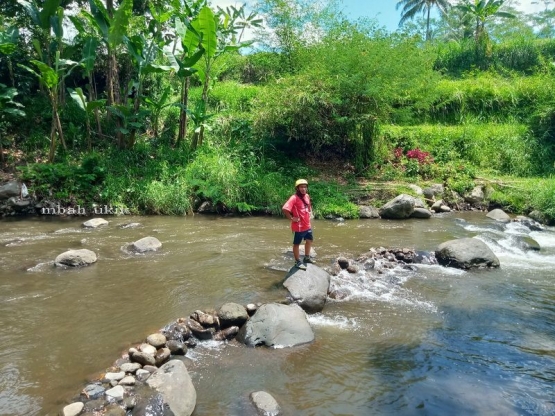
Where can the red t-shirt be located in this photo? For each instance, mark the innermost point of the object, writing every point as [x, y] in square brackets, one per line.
[298, 208]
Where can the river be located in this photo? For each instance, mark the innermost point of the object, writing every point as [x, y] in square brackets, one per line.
[434, 341]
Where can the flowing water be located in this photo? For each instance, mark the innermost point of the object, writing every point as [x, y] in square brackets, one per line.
[434, 341]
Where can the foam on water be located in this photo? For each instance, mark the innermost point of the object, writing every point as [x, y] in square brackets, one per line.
[336, 321]
[387, 287]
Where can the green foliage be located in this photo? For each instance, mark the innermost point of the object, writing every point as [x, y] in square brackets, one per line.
[501, 148]
[543, 197]
[68, 183]
[329, 198]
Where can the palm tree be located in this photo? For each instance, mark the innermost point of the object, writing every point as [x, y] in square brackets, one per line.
[482, 11]
[412, 7]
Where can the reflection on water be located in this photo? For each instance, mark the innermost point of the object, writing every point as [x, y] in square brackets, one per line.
[436, 340]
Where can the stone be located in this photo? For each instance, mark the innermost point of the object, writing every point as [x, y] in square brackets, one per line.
[162, 356]
[232, 314]
[174, 384]
[276, 325]
[498, 215]
[128, 381]
[308, 288]
[265, 403]
[114, 376]
[466, 253]
[177, 347]
[147, 348]
[400, 207]
[9, 190]
[145, 245]
[130, 367]
[143, 358]
[365, 211]
[73, 409]
[76, 258]
[95, 223]
[115, 393]
[421, 213]
[93, 391]
[156, 340]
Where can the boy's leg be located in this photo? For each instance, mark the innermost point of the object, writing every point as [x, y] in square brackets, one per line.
[296, 252]
[307, 247]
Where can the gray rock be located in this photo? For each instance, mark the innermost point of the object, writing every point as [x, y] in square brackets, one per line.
[476, 196]
[232, 314]
[73, 409]
[173, 383]
[444, 208]
[421, 213]
[162, 356]
[146, 244]
[147, 348]
[9, 190]
[308, 288]
[177, 347]
[142, 375]
[157, 340]
[114, 376]
[143, 358]
[466, 253]
[364, 211]
[76, 258]
[436, 206]
[400, 207]
[95, 223]
[93, 391]
[130, 367]
[265, 403]
[539, 217]
[530, 223]
[276, 325]
[498, 215]
[115, 393]
[527, 243]
[417, 189]
[19, 204]
[128, 381]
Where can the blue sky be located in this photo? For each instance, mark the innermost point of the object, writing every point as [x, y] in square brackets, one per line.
[384, 10]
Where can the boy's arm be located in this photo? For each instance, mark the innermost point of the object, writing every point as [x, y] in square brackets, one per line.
[289, 215]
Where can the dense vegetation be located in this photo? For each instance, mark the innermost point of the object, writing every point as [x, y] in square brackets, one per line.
[160, 106]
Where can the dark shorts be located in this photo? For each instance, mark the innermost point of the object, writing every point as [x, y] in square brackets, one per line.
[303, 235]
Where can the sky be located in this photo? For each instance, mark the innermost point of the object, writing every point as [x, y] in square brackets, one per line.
[384, 11]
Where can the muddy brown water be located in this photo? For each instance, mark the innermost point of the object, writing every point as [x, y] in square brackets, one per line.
[436, 341]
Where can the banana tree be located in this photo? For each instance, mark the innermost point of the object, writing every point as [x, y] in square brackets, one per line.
[8, 45]
[8, 107]
[89, 107]
[110, 26]
[183, 64]
[52, 79]
[218, 36]
[483, 11]
[51, 68]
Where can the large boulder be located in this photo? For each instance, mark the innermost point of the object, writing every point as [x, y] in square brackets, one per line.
[276, 325]
[76, 258]
[498, 215]
[173, 383]
[9, 190]
[308, 288]
[399, 207]
[466, 253]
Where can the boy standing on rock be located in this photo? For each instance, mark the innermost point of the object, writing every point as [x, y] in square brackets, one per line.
[298, 210]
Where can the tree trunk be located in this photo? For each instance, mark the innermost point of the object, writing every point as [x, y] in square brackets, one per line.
[183, 113]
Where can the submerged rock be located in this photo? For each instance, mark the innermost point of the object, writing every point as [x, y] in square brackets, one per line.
[498, 215]
[265, 403]
[95, 223]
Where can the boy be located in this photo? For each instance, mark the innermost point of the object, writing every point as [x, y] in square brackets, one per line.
[298, 210]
